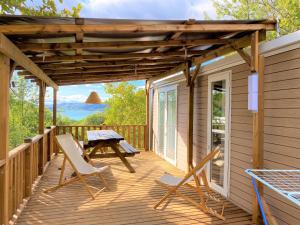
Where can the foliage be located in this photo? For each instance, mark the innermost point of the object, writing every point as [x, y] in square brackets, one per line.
[287, 11]
[44, 8]
[127, 104]
[93, 119]
[23, 112]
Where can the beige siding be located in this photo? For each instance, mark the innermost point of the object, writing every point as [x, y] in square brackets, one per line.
[282, 125]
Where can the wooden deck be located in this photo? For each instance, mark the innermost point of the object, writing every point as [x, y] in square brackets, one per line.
[130, 201]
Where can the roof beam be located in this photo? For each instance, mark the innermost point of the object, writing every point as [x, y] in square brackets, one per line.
[119, 44]
[226, 49]
[100, 74]
[134, 28]
[115, 56]
[103, 70]
[241, 43]
[175, 35]
[12, 51]
[57, 66]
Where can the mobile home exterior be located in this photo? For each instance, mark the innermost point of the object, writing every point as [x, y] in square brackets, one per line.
[227, 79]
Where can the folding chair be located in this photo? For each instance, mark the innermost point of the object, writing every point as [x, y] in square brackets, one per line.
[172, 184]
[74, 153]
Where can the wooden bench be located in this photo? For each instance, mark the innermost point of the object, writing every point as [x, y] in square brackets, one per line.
[129, 149]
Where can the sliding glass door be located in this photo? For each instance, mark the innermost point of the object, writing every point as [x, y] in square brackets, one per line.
[218, 129]
[167, 113]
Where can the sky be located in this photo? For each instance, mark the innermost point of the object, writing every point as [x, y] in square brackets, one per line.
[129, 9]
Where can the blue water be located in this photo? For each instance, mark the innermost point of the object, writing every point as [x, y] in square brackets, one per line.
[78, 111]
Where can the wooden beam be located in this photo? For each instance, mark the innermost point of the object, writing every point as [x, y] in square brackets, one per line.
[42, 91]
[104, 64]
[134, 28]
[146, 133]
[190, 127]
[254, 51]
[79, 39]
[111, 77]
[99, 80]
[175, 35]
[258, 136]
[179, 68]
[119, 44]
[79, 35]
[226, 49]
[115, 56]
[243, 54]
[105, 70]
[123, 74]
[4, 143]
[54, 115]
[12, 51]
[241, 43]
[195, 73]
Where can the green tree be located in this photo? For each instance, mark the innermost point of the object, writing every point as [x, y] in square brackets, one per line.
[93, 119]
[127, 104]
[23, 112]
[43, 8]
[286, 11]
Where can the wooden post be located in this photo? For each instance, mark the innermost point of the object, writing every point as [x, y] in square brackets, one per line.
[54, 106]
[146, 133]
[190, 84]
[28, 167]
[42, 91]
[257, 65]
[4, 113]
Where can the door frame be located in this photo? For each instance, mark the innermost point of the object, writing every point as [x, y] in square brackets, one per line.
[226, 75]
[166, 89]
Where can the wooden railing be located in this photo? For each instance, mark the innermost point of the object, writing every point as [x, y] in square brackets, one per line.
[25, 165]
[27, 162]
[133, 134]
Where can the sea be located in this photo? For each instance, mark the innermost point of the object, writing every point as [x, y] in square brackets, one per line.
[77, 111]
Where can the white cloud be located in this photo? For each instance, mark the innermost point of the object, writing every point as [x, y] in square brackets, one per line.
[141, 87]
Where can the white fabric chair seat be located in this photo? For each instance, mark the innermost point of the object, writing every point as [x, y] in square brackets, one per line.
[71, 149]
[170, 180]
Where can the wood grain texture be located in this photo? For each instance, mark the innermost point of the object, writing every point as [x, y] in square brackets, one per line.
[4, 143]
[130, 200]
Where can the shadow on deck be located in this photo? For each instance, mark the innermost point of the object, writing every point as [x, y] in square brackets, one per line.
[130, 200]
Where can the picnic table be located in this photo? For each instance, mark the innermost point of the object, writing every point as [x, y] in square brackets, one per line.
[98, 139]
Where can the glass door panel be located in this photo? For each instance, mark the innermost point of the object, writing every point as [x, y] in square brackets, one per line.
[167, 113]
[218, 121]
[171, 125]
[218, 130]
[161, 123]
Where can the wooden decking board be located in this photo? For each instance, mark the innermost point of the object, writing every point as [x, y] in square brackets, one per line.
[130, 201]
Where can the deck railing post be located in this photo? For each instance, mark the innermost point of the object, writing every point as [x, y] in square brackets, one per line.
[146, 129]
[28, 167]
[4, 163]
[42, 91]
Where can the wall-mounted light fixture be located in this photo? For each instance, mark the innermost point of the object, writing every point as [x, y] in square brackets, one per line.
[253, 92]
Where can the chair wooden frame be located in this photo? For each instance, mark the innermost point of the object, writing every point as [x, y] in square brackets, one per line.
[204, 196]
[79, 177]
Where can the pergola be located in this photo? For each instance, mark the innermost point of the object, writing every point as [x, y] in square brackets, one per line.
[55, 51]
